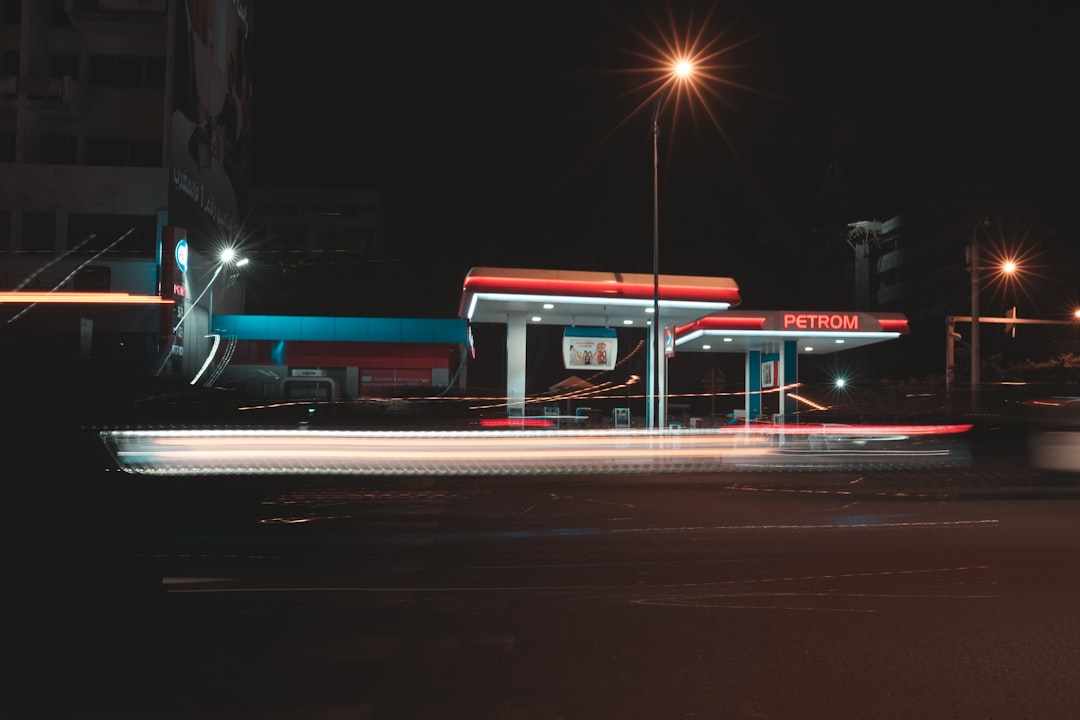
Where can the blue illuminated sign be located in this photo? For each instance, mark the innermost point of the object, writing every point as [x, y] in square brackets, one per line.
[181, 255]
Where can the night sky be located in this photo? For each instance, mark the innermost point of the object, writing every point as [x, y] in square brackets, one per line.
[519, 134]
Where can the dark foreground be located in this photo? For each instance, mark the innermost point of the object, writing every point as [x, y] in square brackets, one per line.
[843, 594]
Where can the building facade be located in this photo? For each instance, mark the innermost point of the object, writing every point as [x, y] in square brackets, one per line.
[123, 123]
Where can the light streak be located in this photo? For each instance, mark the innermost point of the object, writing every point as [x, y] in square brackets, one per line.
[209, 357]
[278, 452]
[73, 273]
[36, 297]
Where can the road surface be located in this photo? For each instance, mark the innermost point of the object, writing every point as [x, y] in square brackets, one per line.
[788, 595]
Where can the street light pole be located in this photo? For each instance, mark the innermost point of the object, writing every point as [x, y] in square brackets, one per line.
[681, 71]
[654, 385]
[236, 263]
[191, 306]
[228, 258]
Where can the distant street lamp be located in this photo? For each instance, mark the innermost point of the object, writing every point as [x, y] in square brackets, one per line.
[1005, 267]
[682, 70]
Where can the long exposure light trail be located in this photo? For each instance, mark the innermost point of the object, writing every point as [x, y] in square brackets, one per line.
[514, 452]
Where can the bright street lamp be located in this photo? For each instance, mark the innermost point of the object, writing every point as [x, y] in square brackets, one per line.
[1007, 266]
[228, 257]
[682, 71]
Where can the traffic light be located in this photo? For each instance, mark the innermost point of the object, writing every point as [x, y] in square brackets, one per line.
[1010, 329]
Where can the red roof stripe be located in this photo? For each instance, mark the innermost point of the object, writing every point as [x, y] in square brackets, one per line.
[899, 325]
[723, 322]
[578, 288]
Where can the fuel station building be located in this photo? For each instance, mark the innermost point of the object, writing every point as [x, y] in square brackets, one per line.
[694, 313]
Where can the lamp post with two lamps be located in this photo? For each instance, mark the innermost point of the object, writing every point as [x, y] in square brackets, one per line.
[227, 258]
[682, 71]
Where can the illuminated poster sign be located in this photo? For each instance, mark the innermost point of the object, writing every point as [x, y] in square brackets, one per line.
[181, 255]
[821, 321]
[768, 374]
[211, 114]
[589, 348]
[174, 263]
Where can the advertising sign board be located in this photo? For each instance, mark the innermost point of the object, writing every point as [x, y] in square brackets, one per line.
[211, 114]
[589, 348]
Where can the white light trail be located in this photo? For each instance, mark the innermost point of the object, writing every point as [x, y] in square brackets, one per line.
[514, 452]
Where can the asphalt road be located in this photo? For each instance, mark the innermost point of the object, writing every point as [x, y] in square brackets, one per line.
[838, 594]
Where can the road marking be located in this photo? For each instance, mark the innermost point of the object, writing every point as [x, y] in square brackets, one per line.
[703, 599]
[813, 526]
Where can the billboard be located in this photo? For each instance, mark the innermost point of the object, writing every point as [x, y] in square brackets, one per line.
[211, 115]
[589, 348]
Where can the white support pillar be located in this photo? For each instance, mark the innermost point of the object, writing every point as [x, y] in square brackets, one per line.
[662, 365]
[748, 362]
[515, 363]
[651, 420]
[781, 373]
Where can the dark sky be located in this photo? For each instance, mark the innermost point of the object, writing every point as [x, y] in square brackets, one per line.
[519, 134]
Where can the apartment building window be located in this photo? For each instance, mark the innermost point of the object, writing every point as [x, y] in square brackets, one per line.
[7, 147]
[346, 239]
[61, 64]
[10, 11]
[154, 72]
[144, 153]
[106, 229]
[126, 71]
[95, 278]
[106, 151]
[5, 233]
[56, 149]
[288, 236]
[58, 16]
[9, 62]
[39, 232]
[121, 152]
[129, 72]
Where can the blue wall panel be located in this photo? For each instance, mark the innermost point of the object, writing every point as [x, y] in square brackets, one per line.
[330, 329]
[317, 328]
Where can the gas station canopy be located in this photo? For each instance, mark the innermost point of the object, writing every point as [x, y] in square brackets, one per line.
[695, 315]
[812, 332]
[597, 299]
